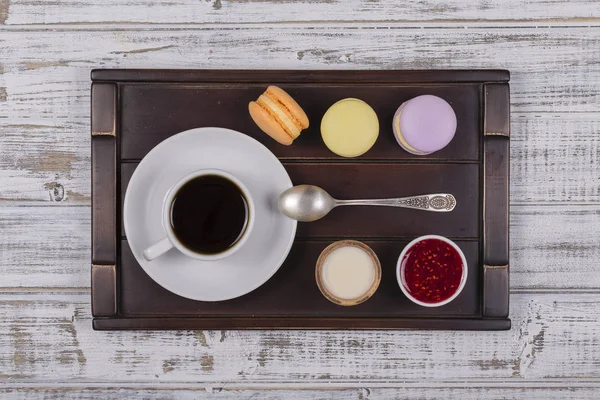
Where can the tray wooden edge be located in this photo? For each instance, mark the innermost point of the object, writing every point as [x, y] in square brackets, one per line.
[471, 324]
[104, 200]
[496, 203]
[294, 76]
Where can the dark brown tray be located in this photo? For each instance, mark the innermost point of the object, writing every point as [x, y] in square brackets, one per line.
[134, 110]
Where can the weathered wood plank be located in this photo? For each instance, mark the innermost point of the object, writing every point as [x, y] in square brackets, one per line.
[45, 161]
[559, 74]
[554, 158]
[45, 246]
[23, 12]
[49, 337]
[50, 247]
[458, 392]
[554, 247]
[44, 91]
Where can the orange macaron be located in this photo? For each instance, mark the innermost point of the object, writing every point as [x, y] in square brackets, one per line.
[278, 115]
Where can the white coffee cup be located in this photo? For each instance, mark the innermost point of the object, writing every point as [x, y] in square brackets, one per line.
[171, 240]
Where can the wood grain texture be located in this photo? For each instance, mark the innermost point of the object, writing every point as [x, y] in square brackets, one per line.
[496, 290]
[45, 246]
[105, 200]
[104, 188]
[50, 247]
[553, 159]
[153, 112]
[496, 200]
[54, 165]
[200, 77]
[46, 91]
[496, 196]
[539, 391]
[292, 294]
[46, 161]
[552, 240]
[49, 337]
[23, 12]
[104, 290]
[559, 73]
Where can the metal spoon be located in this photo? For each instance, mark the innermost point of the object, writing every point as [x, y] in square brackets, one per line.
[307, 203]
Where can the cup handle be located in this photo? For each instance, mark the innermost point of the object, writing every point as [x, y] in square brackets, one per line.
[158, 249]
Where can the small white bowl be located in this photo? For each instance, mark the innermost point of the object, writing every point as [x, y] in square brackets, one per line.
[400, 271]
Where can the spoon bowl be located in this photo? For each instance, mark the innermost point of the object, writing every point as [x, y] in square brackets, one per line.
[306, 203]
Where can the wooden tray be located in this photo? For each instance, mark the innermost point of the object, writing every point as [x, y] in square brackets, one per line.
[134, 110]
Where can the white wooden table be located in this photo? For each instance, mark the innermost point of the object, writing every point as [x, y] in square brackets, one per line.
[47, 346]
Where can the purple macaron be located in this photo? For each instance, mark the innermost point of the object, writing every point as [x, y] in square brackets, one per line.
[424, 124]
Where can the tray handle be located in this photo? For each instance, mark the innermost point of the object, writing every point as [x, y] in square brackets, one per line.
[496, 164]
[104, 199]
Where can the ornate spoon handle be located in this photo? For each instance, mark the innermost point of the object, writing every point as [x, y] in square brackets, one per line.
[439, 202]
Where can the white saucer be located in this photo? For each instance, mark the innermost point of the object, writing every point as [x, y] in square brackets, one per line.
[270, 240]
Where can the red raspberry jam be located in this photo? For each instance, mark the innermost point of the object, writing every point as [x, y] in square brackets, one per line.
[433, 270]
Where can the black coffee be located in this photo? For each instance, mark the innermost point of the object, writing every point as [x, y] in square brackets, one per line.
[209, 214]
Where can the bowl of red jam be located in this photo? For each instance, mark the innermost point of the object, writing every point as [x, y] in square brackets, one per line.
[431, 271]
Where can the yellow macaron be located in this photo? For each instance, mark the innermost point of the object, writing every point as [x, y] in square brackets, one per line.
[278, 115]
[350, 127]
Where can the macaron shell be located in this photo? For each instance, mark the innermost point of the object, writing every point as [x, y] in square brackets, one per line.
[398, 133]
[427, 123]
[350, 127]
[277, 112]
[268, 124]
[407, 148]
[290, 104]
